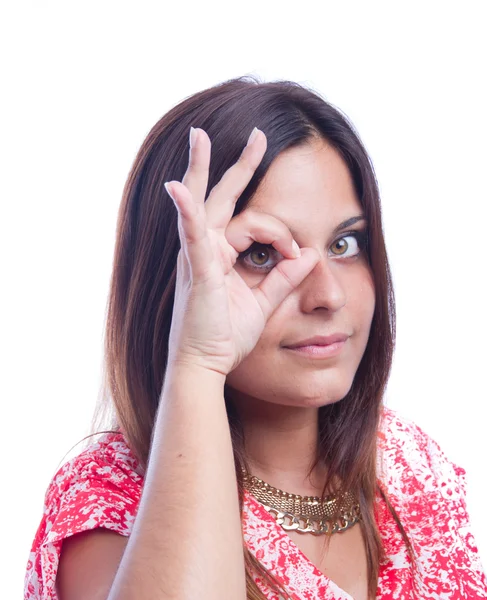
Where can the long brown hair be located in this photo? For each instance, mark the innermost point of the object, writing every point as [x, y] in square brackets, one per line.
[141, 297]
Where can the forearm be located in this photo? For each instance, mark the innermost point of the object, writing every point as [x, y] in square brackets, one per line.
[186, 541]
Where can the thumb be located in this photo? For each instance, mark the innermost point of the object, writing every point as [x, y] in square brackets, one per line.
[283, 279]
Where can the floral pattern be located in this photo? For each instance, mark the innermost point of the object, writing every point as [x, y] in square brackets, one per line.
[101, 487]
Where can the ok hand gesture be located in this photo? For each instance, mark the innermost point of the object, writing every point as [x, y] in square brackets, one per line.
[217, 318]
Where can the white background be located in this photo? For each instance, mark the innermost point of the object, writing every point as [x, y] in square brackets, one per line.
[82, 85]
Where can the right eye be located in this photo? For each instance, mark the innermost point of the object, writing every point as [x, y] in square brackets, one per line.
[257, 257]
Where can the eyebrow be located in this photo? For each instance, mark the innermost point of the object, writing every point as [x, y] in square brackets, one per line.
[349, 223]
[338, 228]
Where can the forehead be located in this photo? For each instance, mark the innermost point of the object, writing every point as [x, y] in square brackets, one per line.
[309, 188]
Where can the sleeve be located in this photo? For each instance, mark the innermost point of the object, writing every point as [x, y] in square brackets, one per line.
[434, 502]
[449, 481]
[99, 488]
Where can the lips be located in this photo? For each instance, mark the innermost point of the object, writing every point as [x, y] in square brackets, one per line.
[320, 340]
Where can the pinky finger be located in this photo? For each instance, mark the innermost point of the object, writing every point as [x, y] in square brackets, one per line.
[191, 228]
[180, 196]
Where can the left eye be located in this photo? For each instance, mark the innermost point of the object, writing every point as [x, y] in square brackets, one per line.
[348, 245]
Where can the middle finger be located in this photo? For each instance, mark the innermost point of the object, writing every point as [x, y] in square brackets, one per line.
[220, 204]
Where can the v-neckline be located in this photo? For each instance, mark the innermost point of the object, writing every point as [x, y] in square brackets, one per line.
[287, 546]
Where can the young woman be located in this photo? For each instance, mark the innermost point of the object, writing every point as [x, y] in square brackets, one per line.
[249, 340]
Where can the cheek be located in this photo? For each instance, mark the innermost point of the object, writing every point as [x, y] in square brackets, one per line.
[358, 313]
[250, 376]
[254, 371]
[362, 302]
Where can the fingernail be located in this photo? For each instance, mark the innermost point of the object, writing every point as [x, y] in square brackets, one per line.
[167, 185]
[297, 251]
[252, 136]
[193, 134]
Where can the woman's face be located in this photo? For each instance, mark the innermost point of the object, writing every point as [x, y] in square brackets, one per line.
[310, 189]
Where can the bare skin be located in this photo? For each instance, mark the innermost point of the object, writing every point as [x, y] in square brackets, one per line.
[231, 326]
[278, 394]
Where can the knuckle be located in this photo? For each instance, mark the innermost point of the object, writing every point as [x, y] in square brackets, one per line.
[247, 218]
[234, 196]
[285, 276]
[195, 165]
[195, 168]
[246, 164]
[195, 236]
[265, 301]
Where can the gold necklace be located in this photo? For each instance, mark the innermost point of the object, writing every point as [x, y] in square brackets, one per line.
[305, 514]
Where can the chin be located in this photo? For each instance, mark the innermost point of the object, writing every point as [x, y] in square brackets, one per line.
[311, 391]
[323, 396]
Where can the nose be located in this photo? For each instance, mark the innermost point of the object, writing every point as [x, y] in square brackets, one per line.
[323, 288]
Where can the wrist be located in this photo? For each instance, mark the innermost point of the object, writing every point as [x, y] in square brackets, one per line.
[193, 372]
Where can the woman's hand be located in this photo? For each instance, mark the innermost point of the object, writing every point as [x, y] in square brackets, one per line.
[217, 318]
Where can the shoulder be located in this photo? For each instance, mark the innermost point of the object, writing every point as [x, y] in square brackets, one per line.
[403, 438]
[100, 487]
[107, 465]
[428, 493]
[395, 428]
[407, 451]
[108, 461]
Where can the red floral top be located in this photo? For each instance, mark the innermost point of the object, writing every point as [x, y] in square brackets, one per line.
[101, 487]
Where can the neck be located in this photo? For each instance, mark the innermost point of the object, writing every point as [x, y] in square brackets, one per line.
[281, 444]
